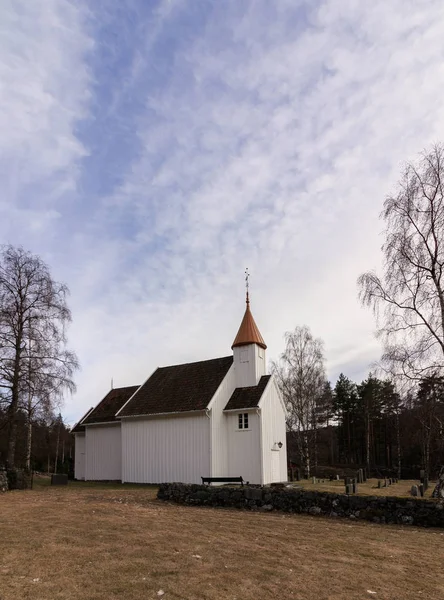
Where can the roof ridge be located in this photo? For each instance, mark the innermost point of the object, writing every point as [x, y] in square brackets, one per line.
[195, 362]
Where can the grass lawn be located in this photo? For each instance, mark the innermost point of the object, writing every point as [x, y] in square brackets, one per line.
[369, 488]
[108, 541]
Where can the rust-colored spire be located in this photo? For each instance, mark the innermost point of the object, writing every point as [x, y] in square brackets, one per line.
[248, 331]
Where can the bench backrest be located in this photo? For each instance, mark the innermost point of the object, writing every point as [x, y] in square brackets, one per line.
[222, 479]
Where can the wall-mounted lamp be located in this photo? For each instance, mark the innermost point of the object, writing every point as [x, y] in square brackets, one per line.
[280, 444]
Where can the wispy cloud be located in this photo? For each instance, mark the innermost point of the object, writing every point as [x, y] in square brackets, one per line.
[43, 94]
[197, 139]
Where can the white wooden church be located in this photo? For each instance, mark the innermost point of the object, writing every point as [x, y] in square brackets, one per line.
[223, 417]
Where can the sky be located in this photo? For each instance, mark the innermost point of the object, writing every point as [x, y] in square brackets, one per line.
[151, 150]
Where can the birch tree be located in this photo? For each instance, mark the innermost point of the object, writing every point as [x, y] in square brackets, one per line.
[408, 298]
[33, 345]
[300, 373]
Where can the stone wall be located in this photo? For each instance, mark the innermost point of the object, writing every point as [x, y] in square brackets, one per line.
[3, 481]
[405, 511]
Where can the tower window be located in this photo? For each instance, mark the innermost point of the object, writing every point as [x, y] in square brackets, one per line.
[244, 356]
[261, 352]
[243, 421]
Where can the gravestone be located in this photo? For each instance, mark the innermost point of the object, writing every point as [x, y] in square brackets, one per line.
[421, 489]
[414, 490]
[379, 484]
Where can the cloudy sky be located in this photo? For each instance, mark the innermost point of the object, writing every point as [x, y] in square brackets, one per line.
[151, 150]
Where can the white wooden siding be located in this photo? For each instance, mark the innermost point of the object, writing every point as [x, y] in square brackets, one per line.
[244, 455]
[273, 431]
[166, 449]
[248, 365]
[219, 432]
[79, 456]
[103, 452]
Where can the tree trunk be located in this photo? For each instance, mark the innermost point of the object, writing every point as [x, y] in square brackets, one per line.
[398, 445]
[12, 437]
[427, 455]
[13, 407]
[28, 444]
[57, 449]
[29, 424]
[315, 448]
[307, 454]
[367, 443]
[348, 439]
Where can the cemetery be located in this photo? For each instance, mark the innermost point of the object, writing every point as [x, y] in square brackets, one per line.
[385, 486]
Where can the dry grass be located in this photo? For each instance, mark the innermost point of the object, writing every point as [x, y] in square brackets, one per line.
[105, 542]
[369, 488]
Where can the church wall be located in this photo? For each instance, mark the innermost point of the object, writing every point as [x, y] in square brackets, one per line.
[103, 450]
[166, 449]
[219, 432]
[79, 456]
[274, 460]
[244, 456]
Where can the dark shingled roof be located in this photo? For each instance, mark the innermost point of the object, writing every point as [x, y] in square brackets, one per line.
[105, 411]
[247, 397]
[179, 388]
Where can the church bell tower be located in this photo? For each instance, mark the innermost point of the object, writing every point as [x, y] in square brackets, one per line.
[248, 349]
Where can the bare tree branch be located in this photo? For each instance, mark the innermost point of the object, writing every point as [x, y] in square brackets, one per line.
[408, 299]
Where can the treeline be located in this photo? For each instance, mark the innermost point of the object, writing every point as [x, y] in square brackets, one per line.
[52, 443]
[370, 424]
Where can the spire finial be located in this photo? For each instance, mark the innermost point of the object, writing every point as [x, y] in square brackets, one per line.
[247, 284]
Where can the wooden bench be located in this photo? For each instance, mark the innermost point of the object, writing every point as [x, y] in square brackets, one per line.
[209, 480]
